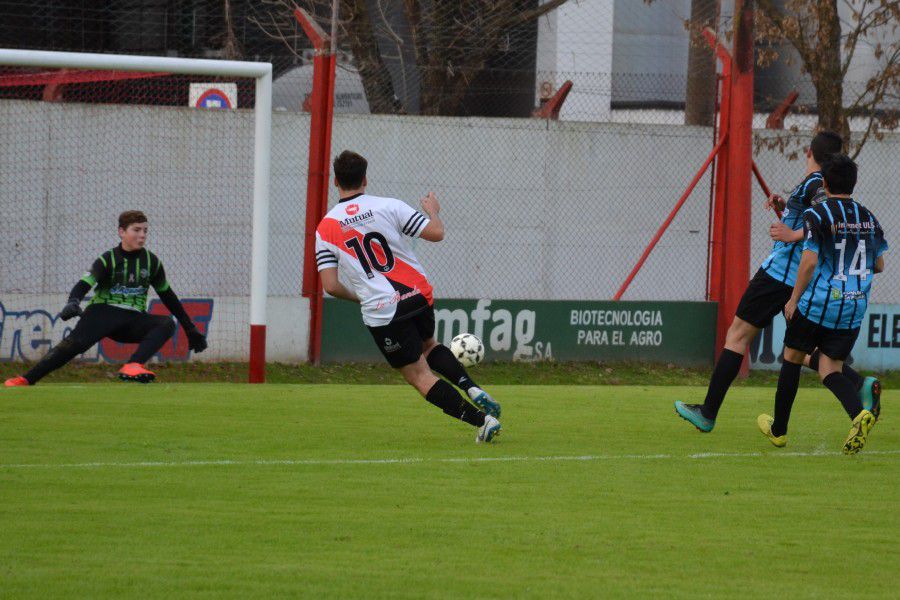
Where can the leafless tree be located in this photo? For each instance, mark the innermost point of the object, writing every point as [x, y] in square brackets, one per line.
[813, 28]
[700, 96]
[451, 41]
[825, 48]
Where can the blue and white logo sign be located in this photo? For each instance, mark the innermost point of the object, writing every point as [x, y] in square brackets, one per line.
[213, 95]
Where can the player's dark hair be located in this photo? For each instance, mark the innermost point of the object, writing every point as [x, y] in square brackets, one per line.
[130, 217]
[350, 170]
[824, 144]
[839, 172]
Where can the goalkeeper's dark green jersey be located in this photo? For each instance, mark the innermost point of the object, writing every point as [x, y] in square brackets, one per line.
[124, 278]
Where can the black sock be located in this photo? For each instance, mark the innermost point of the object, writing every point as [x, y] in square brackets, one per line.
[442, 361]
[788, 381]
[727, 368]
[842, 387]
[448, 400]
[61, 354]
[855, 378]
[849, 372]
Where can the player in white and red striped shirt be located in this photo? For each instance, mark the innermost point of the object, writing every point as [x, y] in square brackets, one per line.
[367, 241]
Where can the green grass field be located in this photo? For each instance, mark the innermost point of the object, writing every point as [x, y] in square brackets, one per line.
[224, 490]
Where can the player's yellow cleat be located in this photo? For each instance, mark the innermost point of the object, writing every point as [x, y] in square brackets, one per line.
[859, 431]
[765, 426]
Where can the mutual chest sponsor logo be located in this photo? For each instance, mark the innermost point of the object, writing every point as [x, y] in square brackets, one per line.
[353, 221]
[352, 209]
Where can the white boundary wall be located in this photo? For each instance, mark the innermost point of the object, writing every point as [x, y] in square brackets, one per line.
[567, 199]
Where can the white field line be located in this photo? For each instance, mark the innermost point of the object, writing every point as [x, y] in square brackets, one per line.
[463, 460]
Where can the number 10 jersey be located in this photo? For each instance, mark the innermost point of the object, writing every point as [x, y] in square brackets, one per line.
[368, 239]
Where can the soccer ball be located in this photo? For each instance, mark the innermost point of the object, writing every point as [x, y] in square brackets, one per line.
[467, 349]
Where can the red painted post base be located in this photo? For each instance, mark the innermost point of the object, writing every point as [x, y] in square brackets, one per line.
[257, 353]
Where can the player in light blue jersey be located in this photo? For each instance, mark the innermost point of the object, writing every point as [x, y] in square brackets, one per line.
[842, 252]
[781, 264]
[770, 289]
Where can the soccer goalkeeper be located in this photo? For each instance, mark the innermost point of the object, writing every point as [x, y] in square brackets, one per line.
[118, 309]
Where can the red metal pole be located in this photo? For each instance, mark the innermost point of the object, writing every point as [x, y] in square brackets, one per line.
[257, 367]
[316, 173]
[740, 163]
[712, 187]
[317, 303]
[321, 114]
[717, 255]
[763, 186]
[668, 221]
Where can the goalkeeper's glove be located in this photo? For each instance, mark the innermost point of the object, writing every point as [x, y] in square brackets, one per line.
[196, 340]
[70, 310]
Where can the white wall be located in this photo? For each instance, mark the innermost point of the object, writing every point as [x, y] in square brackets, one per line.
[558, 210]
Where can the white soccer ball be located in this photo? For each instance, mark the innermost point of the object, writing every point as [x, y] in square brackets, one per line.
[467, 349]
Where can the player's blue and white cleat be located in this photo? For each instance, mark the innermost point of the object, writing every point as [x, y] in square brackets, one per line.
[691, 413]
[484, 402]
[488, 431]
[870, 396]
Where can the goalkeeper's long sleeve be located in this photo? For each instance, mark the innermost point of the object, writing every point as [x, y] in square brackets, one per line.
[170, 299]
[80, 290]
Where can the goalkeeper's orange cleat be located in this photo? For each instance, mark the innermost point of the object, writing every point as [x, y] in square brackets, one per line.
[136, 372]
[16, 381]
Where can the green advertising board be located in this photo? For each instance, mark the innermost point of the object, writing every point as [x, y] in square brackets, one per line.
[682, 333]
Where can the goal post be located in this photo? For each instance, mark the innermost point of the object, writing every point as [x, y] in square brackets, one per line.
[261, 73]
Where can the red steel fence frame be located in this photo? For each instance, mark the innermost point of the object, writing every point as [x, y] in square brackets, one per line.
[321, 116]
[729, 264]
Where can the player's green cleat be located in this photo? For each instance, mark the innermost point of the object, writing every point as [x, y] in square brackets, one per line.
[765, 425]
[484, 402]
[870, 395]
[692, 414]
[859, 431]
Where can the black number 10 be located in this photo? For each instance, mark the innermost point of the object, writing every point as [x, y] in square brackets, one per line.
[366, 254]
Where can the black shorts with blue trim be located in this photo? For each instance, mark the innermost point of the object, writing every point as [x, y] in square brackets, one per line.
[805, 335]
[764, 298]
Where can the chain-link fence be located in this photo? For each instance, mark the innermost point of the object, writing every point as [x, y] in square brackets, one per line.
[438, 101]
[628, 61]
[538, 209]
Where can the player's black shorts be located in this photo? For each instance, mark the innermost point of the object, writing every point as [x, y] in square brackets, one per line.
[401, 341]
[764, 298]
[803, 334]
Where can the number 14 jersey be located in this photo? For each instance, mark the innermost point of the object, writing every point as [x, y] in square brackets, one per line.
[848, 241]
[368, 239]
